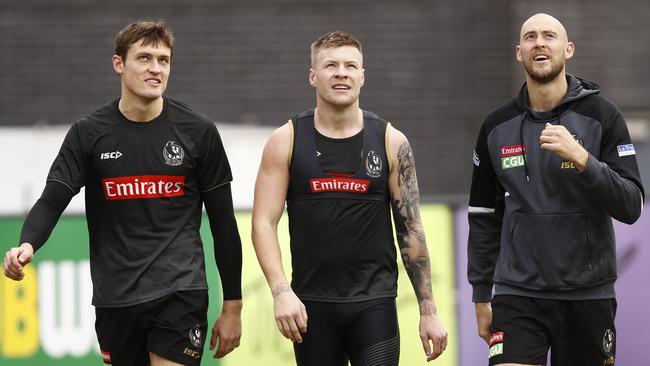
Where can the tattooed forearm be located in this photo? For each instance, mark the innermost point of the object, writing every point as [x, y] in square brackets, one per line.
[280, 288]
[408, 225]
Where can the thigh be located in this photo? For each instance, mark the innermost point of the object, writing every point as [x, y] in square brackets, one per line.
[519, 332]
[322, 344]
[589, 336]
[178, 330]
[373, 336]
[123, 333]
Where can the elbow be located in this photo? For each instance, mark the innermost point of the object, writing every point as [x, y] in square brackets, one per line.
[629, 216]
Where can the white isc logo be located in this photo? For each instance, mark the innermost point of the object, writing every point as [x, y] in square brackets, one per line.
[111, 155]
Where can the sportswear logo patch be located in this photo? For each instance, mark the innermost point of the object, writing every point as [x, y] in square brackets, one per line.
[143, 186]
[195, 336]
[374, 163]
[192, 353]
[568, 164]
[318, 153]
[106, 357]
[319, 185]
[476, 159]
[110, 155]
[625, 150]
[608, 341]
[173, 154]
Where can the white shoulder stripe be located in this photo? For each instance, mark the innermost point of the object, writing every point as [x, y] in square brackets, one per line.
[480, 209]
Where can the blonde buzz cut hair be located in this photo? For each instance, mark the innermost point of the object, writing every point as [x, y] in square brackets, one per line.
[334, 39]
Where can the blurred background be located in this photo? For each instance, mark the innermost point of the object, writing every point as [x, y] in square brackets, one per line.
[435, 69]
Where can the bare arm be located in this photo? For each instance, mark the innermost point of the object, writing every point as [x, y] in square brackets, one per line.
[270, 194]
[405, 201]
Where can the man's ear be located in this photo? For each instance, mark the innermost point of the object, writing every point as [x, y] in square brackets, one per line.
[569, 50]
[312, 77]
[118, 64]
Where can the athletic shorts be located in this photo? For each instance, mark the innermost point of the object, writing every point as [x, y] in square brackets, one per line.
[173, 327]
[364, 333]
[577, 332]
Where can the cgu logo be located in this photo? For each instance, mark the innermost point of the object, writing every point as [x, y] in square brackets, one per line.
[512, 161]
[51, 308]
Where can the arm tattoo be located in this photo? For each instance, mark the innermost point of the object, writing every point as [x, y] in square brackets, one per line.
[408, 226]
[428, 309]
[280, 288]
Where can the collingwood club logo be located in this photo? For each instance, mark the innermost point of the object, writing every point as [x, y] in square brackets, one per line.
[195, 336]
[173, 154]
[608, 341]
[373, 164]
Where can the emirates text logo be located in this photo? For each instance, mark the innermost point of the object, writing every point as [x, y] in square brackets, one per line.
[339, 185]
[143, 186]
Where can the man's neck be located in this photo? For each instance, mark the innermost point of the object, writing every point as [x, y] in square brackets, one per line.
[544, 97]
[140, 110]
[335, 122]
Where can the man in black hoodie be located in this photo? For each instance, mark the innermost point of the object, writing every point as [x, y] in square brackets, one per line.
[551, 168]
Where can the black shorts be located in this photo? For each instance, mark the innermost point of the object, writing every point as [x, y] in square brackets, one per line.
[577, 332]
[173, 327]
[364, 333]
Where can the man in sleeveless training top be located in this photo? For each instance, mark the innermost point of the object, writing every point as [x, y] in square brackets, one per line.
[340, 169]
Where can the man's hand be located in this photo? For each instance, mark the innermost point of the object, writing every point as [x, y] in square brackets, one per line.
[484, 320]
[15, 259]
[290, 312]
[557, 139]
[433, 336]
[227, 329]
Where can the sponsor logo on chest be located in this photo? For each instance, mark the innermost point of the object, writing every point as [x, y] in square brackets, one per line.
[143, 187]
[319, 185]
[512, 156]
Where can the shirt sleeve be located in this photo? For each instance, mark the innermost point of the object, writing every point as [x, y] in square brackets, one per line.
[485, 218]
[226, 240]
[615, 178]
[71, 164]
[45, 213]
[213, 168]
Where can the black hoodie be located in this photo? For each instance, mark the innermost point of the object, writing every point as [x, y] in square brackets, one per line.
[538, 227]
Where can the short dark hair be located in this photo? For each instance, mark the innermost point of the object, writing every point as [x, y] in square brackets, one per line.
[148, 31]
[334, 39]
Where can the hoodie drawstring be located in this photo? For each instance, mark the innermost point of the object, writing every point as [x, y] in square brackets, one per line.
[521, 142]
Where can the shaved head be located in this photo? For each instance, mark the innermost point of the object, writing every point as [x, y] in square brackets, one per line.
[543, 48]
[543, 22]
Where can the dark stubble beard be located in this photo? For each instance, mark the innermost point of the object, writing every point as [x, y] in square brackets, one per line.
[542, 77]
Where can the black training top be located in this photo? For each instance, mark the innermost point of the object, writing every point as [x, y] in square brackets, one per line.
[143, 198]
[341, 235]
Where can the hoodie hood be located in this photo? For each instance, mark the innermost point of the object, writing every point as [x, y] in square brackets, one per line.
[577, 89]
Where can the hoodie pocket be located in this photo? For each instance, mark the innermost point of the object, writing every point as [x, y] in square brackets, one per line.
[548, 252]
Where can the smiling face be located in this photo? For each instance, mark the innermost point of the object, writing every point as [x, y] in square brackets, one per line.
[144, 70]
[543, 48]
[337, 74]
